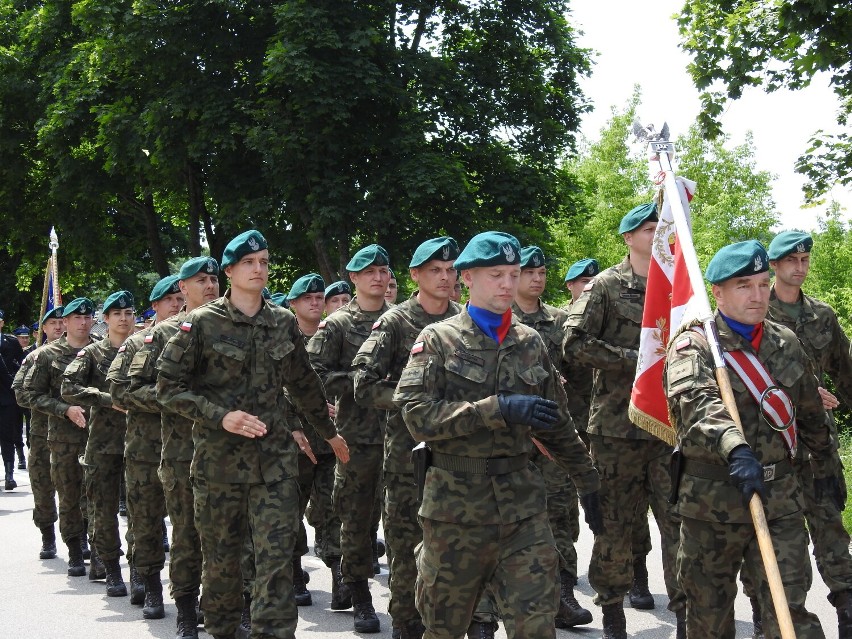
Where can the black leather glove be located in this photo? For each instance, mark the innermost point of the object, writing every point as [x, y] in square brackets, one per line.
[829, 488]
[746, 473]
[594, 515]
[529, 410]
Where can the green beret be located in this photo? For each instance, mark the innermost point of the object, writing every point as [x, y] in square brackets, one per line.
[788, 242]
[242, 245]
[166, 286]
[54, 313]
[637, 217]
[338, 288]
[119, 299]
[310, 283]
[532, 257]
[491, 248]
[280, 299]
[21, 330]
[582, 268]
[737, 260]
[79, 306]
[367, 256]
[198, 265]
[438, 248]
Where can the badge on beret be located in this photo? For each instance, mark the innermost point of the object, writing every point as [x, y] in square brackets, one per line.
[509, 252]
[591, 269]
[253, 245]
[212, 267]
[122, 302]
[535, 260]
[758, 263]
[800, 248]
[445, 252]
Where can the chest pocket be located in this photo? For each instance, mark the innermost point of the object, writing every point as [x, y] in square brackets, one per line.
[279, 351]
[471, 374]
[818, 335]
[534, 376]
[630, 308]
[103, 366]
[790, 374]
[229, 358]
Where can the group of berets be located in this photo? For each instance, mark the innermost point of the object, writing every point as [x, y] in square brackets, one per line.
[472, 431]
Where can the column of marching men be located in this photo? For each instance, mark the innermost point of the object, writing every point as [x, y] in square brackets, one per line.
[241, 420]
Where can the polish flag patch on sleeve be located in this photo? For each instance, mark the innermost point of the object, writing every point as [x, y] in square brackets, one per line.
[682, 343]
[417, 348]
[322, 324]
[122, 348]
[149, 339]
[80, 353]
[186, 327]
[376, 324]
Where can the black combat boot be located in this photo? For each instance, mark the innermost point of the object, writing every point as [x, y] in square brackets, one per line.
[187, 621]
[48, 543]
[115, 586]
[481, 630]
[153, 608]
[843, 603]
[76, 565]
[166, 546]
[341, 598]
[84, 540]
[570, 612]
[680, 615]
[614, 623]
[640, 597]
[756, 620]
[362, 605]
[11, 484]
[97, 570]
[411, 630]
[244, 629]
[378, 551]
[300, 590]
[199, 611]
[22, 459]
[137, 587]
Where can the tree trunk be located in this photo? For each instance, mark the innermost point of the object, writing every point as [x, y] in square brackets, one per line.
[197, 206]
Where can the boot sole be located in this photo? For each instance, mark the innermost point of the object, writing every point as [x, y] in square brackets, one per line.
[47, 554]
[157, 613]
[117, 592]
[368, 628]
[304, 601]
[341, 605]
[580, 620]
[642, 605]
[77, 572]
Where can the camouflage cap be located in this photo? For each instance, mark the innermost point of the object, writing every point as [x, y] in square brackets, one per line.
[491, 248]
[54, 313]
[438, 248]
[310, 283]
[788, 242]
[338, 288]
[280, 299]
[582, 268]
[166, 286]
[21, 330]
[368, 256]
[242, 245]
[737, 260]
[119, 299]
[637, 217]
[532, 257]
[79, 306]
[198, 265]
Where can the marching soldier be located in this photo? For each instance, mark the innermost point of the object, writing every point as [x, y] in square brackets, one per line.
[723, 467]
[11, 419]
[22, 333]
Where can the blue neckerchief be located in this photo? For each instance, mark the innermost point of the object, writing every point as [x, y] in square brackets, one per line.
[489, 322]
[746, 331]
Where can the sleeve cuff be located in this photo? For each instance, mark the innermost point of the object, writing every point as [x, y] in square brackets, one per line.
[488, 410]
[730, 439]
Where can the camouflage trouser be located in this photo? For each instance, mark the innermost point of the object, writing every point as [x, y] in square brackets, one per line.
[224, 513]
[185, 552]
[67, 476]
[316, 483]
[44, 494]
[356, 485]
[709, 558]
[562, 511]
[632, 470]
[517, 562]
[641, 535]
[146, 508]
[103, 476]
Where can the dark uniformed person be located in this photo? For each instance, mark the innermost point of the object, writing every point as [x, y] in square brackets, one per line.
[44, 492]
[723, 467]
[357, 485]
[146, 506]
[337, 295]
[475, 388]
[603, 331]
[85, 384]
[22, 334]
[226, 369]
[67, 432]
[562, 509]
[11, 419]
[815, 324]
[198, 283]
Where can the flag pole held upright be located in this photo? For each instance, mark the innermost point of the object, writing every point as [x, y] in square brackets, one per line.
[661, 153]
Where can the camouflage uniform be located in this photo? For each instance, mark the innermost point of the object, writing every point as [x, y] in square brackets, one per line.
[219, 361]
[717, 532]
[379, 364]
[357, 485]
[603, 331]
[146, 505]
[482, 529]
[66, 441]
[828, 347]
[84, 384]
[44, 492]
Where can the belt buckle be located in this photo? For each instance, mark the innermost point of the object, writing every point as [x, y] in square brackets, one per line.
[769, 472]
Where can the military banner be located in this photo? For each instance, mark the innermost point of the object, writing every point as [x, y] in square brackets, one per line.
[51, 295]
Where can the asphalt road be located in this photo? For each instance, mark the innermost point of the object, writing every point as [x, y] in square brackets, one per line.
[40, 601]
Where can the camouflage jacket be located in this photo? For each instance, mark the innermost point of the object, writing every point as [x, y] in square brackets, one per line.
[380, 362]
[579, 379]
[332, 349]
[602, 331]
[707, 434]
[296, 422]
[143, 442]
[220, 361]
[38, 419]
[84, 383]
[448, 397]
